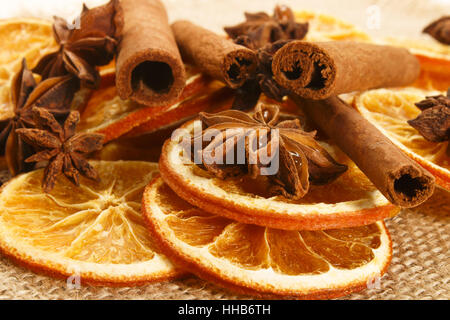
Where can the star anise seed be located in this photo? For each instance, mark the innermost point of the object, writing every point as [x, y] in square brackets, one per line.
[61, 147]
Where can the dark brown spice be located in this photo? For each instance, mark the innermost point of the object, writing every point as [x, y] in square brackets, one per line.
[260, 29]
[82, 47]
[301, 158]
[266, 34]
[434, 121]
[400, 179]
[262, 80]
[440, 30]
[53, 94]
[64, 150]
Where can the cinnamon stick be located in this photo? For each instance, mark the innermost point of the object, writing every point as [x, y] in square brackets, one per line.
[149, 68]
[401, 180]
[323, 69]
[216, 56]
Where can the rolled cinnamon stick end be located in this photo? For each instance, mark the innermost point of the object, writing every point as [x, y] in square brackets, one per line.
[323, 69]
[149, 68]
[216, 56]
[401, 180]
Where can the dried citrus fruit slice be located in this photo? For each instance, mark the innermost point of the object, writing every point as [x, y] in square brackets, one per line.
[389, 110]
[263, 261]
[142, 148]
[106, 113]
[95, 231]
[434, 62]
[215, 101]
[349, 201]
[323, 27]
[20, 38]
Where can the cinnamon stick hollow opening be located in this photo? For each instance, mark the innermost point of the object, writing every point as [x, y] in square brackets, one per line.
[237, 67]
[149, 68]
[218, 57]
[303, 68]
[150, 78]
[410, 186]
[153, 76]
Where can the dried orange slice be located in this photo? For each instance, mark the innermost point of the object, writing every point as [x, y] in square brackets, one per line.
[263, 261]
[434, 60]
[21, 38]
[324, 27]
[434, 73]
[216, 101]
[106, 113]
[389, 110]
[95, 231]
[142, 148]
[349, 201]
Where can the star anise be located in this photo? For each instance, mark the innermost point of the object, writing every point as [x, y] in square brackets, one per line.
[266, 35]
[440, 30]
[266, 139]
[260, 29]
[61, 147]
[82, 47]
[434, 121]
[261, 81]
[54, 94]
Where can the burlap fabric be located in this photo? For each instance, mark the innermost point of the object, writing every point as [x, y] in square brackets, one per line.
[420, 266]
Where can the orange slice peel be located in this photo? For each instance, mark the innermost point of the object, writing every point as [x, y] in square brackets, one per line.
[106, 113]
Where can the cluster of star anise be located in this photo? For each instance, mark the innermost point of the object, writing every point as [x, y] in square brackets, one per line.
[301, 159]
[89, 42]
[34, 127]
[54, 94]
[260, 29]
[265, 34]
[433, 123]
[40, 109]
